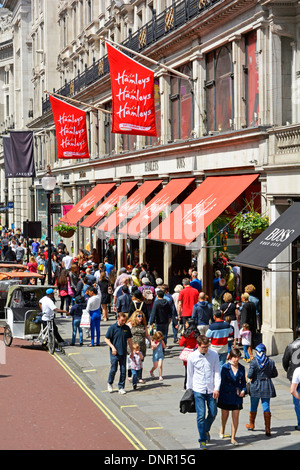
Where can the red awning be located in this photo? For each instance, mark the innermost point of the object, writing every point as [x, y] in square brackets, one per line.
[165, 197]
[130, 205]
[87, 202]
[201, 208]
[112, 200]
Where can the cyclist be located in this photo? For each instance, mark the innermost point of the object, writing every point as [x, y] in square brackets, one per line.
[48, 308]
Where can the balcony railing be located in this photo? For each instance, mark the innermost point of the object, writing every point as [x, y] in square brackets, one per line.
[161, 25]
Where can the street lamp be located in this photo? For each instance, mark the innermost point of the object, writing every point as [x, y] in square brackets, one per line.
[49, 183]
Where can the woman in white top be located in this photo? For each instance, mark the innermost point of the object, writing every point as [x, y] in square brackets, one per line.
[94, 309]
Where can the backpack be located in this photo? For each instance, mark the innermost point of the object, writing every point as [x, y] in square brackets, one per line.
[138, 309]
[148, 295]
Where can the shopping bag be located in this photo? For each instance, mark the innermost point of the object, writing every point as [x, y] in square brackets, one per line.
[187, 402]
[85, 321]
[185, 354]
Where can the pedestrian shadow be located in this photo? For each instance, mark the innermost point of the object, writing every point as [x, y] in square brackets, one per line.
[258, 435]
[150, 386]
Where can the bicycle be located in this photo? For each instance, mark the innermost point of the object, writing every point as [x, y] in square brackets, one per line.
[46, 336]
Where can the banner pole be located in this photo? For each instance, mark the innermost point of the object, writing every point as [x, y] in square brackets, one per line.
[78, 102]
[182, 75]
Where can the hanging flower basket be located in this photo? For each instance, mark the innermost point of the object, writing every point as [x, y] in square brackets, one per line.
[250, 223]
[65, 230]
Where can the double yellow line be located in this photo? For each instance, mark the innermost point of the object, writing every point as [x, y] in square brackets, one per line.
[109, 415]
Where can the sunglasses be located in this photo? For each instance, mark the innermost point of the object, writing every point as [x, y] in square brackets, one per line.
[139, 316]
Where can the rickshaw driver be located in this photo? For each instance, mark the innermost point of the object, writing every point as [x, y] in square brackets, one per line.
[48, 308]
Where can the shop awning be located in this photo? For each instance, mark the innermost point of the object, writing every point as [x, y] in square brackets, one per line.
[87, 202]
[272, 241]
[164, 198]
[110, 224]
[201, 208]
[116, 197]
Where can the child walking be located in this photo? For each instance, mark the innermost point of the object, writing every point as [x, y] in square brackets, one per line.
[245, 334]
[157, 346]
[136, 364]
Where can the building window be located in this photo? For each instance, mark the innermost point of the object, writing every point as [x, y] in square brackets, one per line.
[219, 89]
[109, 138]
[182, 105]
[129, 142]
[251, 80]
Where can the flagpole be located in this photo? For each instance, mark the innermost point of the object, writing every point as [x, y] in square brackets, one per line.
[78, 102]
[182, 75]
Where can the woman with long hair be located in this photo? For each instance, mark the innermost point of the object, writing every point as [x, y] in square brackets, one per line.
[189, 342]
[138, 326]
[64, 285]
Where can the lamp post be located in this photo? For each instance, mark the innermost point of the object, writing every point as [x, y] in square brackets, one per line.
[48, 183]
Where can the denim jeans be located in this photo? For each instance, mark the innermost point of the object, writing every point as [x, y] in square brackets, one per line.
[114, 361]
[255, 401]
[76, 326]
[95, 325]
[136, 375]
[204, 424]
[246, 354]
[297, 408]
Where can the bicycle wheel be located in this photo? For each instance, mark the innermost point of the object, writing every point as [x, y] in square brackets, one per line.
[51, 339]
[7, 336]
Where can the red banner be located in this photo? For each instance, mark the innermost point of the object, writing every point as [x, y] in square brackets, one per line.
[132, 87]
[71, 133]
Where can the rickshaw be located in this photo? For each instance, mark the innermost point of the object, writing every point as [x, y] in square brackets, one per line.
[23, 317]
[9, 278]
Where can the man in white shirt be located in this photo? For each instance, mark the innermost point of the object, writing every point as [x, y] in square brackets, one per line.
[295, 391]
[67, 261]
[48, 308]
[204, 378]
[94, 309]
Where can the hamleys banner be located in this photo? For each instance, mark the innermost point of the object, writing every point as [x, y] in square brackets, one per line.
[132, 87]
[70, 126]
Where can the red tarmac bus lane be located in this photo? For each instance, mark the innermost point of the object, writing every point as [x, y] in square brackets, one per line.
[43, 408]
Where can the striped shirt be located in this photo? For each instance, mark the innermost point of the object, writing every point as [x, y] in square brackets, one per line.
[218, 332]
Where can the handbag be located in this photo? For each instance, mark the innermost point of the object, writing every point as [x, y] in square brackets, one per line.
[85, 321]
[185, 354]
[187, 402]
[110, 290]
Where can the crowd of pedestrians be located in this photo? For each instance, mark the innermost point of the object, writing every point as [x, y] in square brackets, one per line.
[214, 333]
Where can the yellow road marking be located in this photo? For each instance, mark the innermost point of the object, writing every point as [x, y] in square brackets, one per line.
[109, 415]
[128, 406]
[151, 429]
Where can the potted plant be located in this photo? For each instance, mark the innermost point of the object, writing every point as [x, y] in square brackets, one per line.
[65, 230]
[250, 223]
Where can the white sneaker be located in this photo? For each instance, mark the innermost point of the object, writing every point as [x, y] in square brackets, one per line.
[122, 391]
[109, 388]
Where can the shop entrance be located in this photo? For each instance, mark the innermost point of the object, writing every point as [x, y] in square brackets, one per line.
[155, 256]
